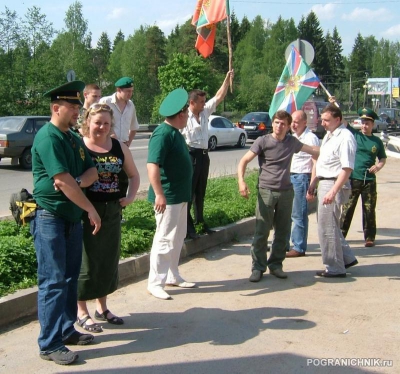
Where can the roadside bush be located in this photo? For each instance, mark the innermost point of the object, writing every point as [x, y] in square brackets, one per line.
[223, 205]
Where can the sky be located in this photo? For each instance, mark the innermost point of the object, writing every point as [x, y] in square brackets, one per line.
[378, 18]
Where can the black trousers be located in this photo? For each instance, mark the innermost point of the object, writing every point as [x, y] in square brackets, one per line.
[201, 166]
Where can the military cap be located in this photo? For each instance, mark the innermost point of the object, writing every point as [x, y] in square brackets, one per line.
[69, 92]
[175, 101]
[367, 113]
[124, 82]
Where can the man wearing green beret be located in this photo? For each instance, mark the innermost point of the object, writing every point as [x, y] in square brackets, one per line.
[170, 171]
[363, 178]
[61, 168]
[124, 111]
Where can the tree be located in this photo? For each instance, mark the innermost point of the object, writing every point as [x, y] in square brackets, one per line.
[37, 31]
[185, 71]
[9, 39]
[181, 39]
[310, 30]
[76, 25]
[118, 38]
[101, 57]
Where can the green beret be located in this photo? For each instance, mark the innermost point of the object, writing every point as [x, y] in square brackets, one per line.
[367, 113]
[174, 102]
[124, 82]
[69, 92]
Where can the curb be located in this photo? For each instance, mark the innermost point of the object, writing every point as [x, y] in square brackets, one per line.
[23, 303]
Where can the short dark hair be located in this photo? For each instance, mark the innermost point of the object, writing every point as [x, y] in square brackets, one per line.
[282, 114]
[195, 94]
[333, 110]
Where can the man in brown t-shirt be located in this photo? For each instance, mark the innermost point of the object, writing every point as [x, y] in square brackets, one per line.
[275, 193]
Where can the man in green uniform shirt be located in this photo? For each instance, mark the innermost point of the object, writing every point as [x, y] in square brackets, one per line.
[363, 177]
[61, 167]
[169, 168]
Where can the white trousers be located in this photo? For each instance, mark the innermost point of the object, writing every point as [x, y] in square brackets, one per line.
[167, 245]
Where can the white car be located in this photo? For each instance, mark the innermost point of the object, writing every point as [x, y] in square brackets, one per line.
[379, 125]
[222, 132]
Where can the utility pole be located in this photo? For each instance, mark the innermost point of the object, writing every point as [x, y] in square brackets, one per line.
[391, 88]
[350, 95]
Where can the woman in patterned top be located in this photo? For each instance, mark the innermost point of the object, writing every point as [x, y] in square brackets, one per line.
[99, 271]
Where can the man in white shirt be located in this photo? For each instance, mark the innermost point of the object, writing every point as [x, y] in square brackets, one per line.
[300, 175]
[124, 111]
[196, 135]
[333, 169]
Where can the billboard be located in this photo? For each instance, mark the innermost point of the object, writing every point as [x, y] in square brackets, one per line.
[382, 86]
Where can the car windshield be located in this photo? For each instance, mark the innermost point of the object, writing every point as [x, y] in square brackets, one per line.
[256, 116]
[11, 123]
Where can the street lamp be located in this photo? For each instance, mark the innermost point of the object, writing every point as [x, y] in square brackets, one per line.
[366, 88]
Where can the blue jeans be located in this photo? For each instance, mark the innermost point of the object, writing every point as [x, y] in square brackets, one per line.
[299, 235]
[273, 210]
[58, 245]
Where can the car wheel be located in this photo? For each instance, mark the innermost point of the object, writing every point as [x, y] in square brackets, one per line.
[26, 159]
[212, 143]
[242, 141]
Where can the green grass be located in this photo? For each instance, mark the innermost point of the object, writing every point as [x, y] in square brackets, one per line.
[223, 205]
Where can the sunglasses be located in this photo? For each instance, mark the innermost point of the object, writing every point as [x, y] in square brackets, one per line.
[99, 108]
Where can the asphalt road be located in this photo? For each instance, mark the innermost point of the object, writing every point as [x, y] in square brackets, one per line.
[224, 161]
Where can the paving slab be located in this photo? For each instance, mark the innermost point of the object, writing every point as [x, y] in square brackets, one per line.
[303, 324]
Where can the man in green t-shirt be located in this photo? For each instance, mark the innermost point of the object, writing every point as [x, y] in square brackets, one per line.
[61, 167]
[363, 177]
[170, 171]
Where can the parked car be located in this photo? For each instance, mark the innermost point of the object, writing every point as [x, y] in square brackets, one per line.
[256, 124]
[392, 124]
[391, 116]
[379, 125]
[221, 132]
[16, 137]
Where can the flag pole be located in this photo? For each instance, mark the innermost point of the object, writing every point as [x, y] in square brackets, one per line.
[327, 92]
[228, 33]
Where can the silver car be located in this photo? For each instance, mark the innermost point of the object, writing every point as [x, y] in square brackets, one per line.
[222, 132]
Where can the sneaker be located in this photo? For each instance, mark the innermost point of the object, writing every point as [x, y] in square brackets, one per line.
[255, 276]
[61, 357]
[279, 273]
[77, 338]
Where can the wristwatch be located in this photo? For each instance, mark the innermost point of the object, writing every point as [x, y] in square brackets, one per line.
[79, 181]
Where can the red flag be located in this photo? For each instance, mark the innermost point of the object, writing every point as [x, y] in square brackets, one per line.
[206, 15]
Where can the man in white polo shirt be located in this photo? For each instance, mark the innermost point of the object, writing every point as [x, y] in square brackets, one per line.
[124, 111]
[333, 169]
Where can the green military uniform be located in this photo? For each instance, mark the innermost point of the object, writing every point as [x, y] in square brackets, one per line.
[369, 148]
[57, 228]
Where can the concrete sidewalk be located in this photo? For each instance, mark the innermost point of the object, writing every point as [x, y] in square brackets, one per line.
[229, 325]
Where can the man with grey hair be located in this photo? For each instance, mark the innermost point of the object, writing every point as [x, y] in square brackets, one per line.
[300, 175]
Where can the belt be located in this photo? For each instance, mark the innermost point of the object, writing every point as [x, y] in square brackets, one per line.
[309, 174]
[198, 150]
[327, 179]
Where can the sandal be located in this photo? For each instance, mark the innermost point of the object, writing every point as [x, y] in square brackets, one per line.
[91, 328]
[103, 317]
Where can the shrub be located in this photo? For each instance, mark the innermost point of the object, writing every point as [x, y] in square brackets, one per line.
[223, 205]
